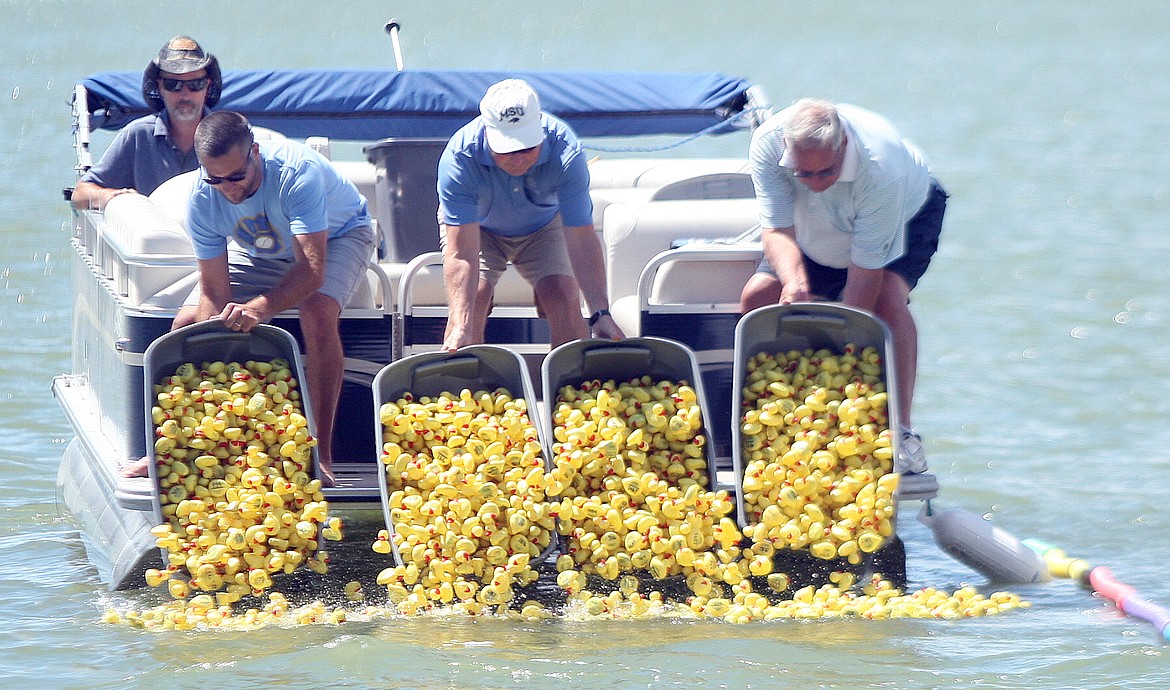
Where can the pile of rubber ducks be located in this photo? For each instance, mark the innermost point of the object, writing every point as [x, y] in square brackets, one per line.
[817, 451]
[475, 507]
[466, 476]
[631, 472]
[233, 462]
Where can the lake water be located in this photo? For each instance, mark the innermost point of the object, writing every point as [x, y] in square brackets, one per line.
[1043, 322]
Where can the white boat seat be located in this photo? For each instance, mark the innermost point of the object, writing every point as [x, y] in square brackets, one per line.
[174, 195]
[712, 186]
[174, 295]
[652, 173]
[703, 283]
[635, 233]
[142, 248]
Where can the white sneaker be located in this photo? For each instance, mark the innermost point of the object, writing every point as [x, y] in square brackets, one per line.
[911, 458]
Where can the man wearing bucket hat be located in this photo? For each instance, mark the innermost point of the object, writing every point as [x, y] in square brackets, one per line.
[514, 188]
[180, 84]
[850, 212]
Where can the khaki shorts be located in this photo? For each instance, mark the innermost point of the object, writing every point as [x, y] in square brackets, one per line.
[536, 256]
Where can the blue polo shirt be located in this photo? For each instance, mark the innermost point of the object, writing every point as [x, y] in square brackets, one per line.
[141, 156]
[472, 189]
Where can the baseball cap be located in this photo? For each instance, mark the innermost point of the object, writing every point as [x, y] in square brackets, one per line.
[181, 55]
[511, 115]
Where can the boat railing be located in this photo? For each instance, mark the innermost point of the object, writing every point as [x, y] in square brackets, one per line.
[423, 310]
[81, 129]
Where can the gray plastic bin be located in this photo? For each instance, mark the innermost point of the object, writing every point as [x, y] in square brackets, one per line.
[210, 341]
[781, 328]
[406, 173]
[478, 367]
[622, 360]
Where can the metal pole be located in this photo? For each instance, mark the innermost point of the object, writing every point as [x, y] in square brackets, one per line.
[392, 29]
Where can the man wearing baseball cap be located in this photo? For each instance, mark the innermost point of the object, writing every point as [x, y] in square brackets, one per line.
[180, 84]
[514, 188]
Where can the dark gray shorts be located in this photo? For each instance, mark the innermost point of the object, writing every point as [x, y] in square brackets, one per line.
[347, 257]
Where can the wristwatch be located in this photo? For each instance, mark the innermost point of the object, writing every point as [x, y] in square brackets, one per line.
[597, 315]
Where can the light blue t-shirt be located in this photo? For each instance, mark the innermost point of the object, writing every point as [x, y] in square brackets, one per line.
[862, 218]
[300, 193]
[472, 189]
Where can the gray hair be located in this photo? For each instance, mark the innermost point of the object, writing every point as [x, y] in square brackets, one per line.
[813, 124]
[221, 132]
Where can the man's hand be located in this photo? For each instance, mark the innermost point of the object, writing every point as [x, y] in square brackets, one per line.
[606, 327]
[87, 195]
[457, 337]
[786, 260]
[240, 317]
[795, 292]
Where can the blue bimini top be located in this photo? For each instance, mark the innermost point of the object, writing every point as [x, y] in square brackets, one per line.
[375, 104]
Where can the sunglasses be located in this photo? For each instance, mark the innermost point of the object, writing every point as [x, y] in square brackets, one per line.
[176, 85]
[826, 172]
[237, 176]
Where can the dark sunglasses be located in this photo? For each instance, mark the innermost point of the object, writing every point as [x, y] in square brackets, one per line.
[176, 85]
[237, 176]
[827, 172]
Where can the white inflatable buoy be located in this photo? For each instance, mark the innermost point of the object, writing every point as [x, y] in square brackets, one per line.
[975, 542]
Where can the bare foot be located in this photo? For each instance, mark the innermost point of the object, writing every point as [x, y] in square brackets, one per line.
[326, 476]
[138, 468]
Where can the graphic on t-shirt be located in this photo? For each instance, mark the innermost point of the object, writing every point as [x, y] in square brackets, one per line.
[257, 232]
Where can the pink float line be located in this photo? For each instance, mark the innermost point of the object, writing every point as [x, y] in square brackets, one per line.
[1100, 579]
[1129, 600]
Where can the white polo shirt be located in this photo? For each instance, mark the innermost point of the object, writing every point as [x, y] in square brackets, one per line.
[862, 218]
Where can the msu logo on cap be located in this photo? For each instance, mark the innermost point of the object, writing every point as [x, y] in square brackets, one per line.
[511, 114]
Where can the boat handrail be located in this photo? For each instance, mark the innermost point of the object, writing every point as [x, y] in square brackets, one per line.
[698, 251]
[413, 268]
[81, 129]
[384, 286]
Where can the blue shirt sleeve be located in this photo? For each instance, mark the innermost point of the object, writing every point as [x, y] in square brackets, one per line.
[459, 186]
[115, 170]
[303, 194]
[207, 241]
[573, 193]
